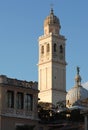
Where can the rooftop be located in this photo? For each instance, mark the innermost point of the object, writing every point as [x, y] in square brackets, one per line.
[18, 83]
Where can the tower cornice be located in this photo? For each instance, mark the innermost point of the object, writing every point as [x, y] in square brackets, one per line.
[54, 90]
[52, 35]
[53, 61]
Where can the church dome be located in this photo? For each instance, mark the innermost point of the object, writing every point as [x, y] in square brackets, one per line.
[51, 24]
[76, 93]
[52, 19]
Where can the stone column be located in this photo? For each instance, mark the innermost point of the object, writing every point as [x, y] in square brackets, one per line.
[15, 103]
[24, 101]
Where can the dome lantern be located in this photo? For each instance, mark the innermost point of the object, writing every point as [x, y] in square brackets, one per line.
[78, 77]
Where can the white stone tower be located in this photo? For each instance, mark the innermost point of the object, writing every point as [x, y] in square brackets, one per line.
[52, 64]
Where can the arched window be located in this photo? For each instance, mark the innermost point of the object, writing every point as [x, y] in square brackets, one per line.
[48, 48]
[42, 49]
[61, 49]
[55, 46]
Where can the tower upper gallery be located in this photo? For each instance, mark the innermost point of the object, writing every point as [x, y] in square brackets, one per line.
[51, 24]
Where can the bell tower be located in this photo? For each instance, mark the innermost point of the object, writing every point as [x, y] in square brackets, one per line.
[52, 64]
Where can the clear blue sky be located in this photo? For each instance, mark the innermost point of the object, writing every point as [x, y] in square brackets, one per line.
[21, 23]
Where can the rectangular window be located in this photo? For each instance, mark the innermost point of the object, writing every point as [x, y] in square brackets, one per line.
[10, 99]
[29, 102]
[20, 100]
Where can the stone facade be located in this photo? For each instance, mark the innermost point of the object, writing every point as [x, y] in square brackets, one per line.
[18, 103]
